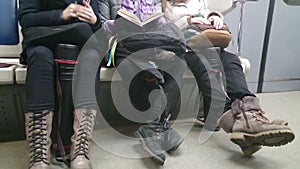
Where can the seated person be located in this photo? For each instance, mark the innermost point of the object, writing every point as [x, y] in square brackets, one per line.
[44, 25]
[138, 61]
[243, 116]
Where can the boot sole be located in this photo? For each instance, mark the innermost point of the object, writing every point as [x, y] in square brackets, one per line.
[175, 147]
[269, 138]
[159, 160]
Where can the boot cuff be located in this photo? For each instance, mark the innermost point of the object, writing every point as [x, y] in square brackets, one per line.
[246, 104]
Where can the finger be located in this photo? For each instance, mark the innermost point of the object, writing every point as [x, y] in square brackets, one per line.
[216, 24]
[221, 25]
[83, 19]
[83, 15]
[84, 11]
[73, 15]
[86, 4]
[87, 11]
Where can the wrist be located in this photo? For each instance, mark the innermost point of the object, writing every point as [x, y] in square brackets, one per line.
[62, 16]
[189, 20]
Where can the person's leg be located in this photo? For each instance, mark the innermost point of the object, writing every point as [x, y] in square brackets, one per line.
[76, 36]
[236, 85]
[85, 84]
[173, 70]
[40, 96]
[162, 136]
[210, 86]
[140, 83]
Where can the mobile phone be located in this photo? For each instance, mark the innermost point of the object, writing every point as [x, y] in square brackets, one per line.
[81, 2]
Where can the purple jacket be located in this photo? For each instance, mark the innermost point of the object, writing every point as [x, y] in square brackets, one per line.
[141, 8]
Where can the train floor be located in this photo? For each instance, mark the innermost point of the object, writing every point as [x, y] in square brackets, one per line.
[199, 150]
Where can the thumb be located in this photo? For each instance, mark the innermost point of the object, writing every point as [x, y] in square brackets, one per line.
[86, 3]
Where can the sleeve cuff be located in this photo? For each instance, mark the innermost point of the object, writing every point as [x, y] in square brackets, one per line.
[182, 23]
[216, 14]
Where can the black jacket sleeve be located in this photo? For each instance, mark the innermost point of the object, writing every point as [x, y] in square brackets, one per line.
[95, 5]
[32, 13]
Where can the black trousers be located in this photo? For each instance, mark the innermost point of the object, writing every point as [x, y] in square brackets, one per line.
[40, 81]
[211, 84]
[141, 79]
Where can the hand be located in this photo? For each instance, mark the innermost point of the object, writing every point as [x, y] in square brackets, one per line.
[216, 21]
[86, 14]
[166, 55]
[83, 13]
[69, 12]
[200, 20]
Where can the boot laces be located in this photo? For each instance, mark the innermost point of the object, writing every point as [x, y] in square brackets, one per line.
[162, 127]
[158, 128]
[38, 138]
[258, 115]
[84, 133]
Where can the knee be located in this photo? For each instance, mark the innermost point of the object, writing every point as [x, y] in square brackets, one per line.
[89, 60]
[82, 30]
[89, 56]
[82, 26]
[230, 58]
[40, 55]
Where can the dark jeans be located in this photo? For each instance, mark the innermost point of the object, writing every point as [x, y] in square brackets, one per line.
[40, 81]
[211, 85]
[236, 85]
[205, 67]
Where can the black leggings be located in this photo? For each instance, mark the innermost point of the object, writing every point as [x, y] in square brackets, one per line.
[40, 80]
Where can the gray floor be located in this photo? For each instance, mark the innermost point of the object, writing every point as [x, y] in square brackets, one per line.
[112, 152]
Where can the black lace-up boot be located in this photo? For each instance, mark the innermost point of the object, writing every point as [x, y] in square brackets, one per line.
[84, 120]
[152, 139]
[157, 138]
[38, 128]
[172, 140]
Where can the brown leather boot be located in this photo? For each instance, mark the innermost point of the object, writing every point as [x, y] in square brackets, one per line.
[227, 122]
[250, 127]
[83, 127]
[38, 128]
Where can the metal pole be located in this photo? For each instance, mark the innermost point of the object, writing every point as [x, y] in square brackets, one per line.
[240, 29]
[265, 46]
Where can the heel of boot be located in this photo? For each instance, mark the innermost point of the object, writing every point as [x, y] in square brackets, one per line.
[249, 150]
